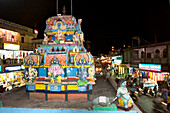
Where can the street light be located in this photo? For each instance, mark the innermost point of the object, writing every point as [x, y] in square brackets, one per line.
[112, 48]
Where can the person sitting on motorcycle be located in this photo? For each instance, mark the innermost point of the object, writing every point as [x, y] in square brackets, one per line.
[134, 88]
[134, 85]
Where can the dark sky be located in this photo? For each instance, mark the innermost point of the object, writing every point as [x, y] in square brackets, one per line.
[105, 22]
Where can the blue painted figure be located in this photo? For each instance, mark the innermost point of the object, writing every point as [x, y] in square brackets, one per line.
[124, 98]
[83, 75]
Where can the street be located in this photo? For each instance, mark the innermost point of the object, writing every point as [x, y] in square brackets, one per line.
[146, 103]
[18, 98]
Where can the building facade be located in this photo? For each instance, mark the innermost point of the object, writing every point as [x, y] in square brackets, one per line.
[153, 55]
[15, 43]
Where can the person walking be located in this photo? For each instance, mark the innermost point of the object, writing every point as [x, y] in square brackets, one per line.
[107, 75]
[155, 90]
[104, 71]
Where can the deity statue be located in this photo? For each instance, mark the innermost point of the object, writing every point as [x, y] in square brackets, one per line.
[32, 74]
[76, 38]
[55, 73]
[91, 72]
[82, 75]
[59, 78]
[59, 37]
[123, 96]
[45, 41]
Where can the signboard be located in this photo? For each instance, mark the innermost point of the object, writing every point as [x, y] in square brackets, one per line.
[11, 46]
[13, 68]
[82, 88]
[150, 67]
[55, 88]
[30, 87]
[40, 87]
[148, 85]
[117, 59]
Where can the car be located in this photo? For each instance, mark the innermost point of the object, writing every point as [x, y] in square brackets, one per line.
[98, 70]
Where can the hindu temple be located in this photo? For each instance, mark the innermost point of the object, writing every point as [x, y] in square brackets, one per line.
[61, 68]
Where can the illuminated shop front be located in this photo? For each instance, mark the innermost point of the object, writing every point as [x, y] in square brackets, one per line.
[105, 60]
[13, 76]
[117, 66]
[153, 72]
[134, 72]
[15, 44]
[13, 54]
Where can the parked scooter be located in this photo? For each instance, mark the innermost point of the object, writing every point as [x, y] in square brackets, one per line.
[139, 91]
[134, 95]
[145, 90]
[151, 92]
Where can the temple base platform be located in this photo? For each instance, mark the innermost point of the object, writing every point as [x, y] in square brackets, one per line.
[59, 96]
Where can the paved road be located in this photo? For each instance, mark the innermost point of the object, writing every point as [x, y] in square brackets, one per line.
[146, 103]
[18, 98]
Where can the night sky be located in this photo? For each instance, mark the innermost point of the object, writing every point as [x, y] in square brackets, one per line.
[105, 23]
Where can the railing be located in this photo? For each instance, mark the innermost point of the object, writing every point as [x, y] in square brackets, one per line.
[27, 45]
[10, 39]
[155, 60]
[5, 40]
[149, 60]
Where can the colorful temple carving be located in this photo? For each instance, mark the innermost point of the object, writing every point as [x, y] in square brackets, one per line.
[61, 69]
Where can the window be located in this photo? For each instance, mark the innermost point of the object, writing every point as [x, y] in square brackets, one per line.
[41, 50]
[22, 39]
[63, 49]
[157, 53]
[53, 50]
[142, 54]
[76, 49]
[165, 53]
[12, 36]
[135, 54]
[82, 49]
[148, 55]
[58, 49]
[55, 61]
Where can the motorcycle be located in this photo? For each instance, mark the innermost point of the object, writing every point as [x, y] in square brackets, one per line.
[145, 90]
[134, 95]
[139, 90]
[151, 92]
